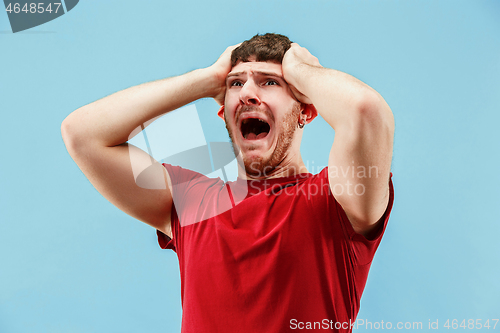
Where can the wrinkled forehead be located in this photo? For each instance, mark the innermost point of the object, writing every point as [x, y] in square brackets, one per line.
[256, 66]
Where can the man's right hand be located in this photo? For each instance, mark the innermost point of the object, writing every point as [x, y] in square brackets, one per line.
[219, 70]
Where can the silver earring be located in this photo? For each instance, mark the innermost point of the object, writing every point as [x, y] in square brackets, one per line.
[302, 123]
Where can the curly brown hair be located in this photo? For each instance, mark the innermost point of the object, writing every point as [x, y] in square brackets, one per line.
[267, 47]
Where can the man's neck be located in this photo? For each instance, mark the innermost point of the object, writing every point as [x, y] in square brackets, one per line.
[280, 171]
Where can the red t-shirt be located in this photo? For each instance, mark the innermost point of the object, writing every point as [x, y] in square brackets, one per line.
[266, 256]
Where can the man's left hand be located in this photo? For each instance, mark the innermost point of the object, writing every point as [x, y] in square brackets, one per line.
[297, 59]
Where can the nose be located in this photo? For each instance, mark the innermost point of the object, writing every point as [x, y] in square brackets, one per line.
[249, 94]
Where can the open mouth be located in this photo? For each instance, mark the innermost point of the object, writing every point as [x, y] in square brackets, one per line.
[254, 128]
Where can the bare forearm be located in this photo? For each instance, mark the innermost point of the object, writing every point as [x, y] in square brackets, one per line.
[111, 120]
[337, 96]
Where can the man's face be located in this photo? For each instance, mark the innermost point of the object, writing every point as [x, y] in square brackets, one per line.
[261, 116]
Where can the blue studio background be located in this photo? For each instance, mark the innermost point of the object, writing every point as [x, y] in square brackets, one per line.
[72, 262]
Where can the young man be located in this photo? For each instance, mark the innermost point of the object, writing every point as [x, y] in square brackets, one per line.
[279, 249]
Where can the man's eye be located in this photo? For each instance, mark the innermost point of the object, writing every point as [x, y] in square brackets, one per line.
[236, 84]
[271, 83]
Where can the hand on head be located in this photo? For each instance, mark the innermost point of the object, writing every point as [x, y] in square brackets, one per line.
[221, 68]
[292, 61]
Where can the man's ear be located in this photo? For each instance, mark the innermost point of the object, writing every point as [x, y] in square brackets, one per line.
[220, 113]
[309, 111]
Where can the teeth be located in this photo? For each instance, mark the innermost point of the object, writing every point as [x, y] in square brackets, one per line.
[248, 119]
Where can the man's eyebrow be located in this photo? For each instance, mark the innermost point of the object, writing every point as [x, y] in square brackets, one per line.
[257, 72]
[235, 74]
[269, 74]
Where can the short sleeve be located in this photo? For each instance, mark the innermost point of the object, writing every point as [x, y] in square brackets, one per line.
[180, 179]
[363, 248]
[326, 208]
[189, 202]
[164, 241]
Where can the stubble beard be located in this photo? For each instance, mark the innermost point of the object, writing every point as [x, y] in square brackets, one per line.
[259, 167]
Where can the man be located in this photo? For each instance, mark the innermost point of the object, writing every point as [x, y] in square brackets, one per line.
[279, 249]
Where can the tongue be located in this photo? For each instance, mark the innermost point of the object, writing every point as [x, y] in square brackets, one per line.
[252, 136]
